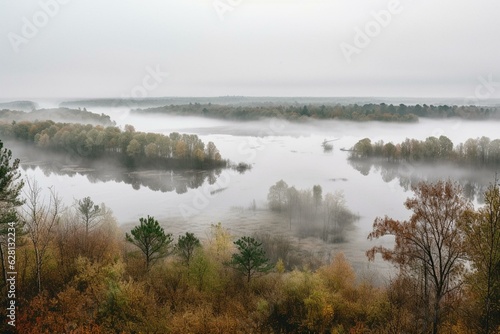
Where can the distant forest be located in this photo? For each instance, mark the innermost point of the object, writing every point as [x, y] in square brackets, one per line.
[57, 114]
[128, 147]
[354, 112]
[240, 108]
[19, 105]
[474, 152]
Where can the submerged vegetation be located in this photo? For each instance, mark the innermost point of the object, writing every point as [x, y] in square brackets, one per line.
[310, 213]
[354, 112]
[128, 147]
[77, 272]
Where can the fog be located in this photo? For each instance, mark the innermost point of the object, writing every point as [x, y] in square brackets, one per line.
[457, 130]
[276, 150]
[207, 55]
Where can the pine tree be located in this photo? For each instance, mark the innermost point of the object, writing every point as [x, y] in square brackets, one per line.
[186, 245]
[10, 190]
[251, 258]
[151, 239]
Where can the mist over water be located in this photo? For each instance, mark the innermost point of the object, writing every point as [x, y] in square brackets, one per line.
[457, 130]
[277, 150]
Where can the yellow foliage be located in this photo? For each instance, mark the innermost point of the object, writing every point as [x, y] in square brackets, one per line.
[204, 272]
[280, 266]
[202, 320]
[98, 296]
[338, 275]
[319, 311]
[220, 243]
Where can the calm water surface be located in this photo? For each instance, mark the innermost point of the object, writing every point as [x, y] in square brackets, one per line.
[277, 150]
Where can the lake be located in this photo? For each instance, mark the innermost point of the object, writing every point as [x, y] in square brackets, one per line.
[277, 150]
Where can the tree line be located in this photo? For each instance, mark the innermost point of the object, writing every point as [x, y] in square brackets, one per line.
[62, 114]
[78, 273]
[354, 112]
[474, 151]
[19, 105]
[129, 147]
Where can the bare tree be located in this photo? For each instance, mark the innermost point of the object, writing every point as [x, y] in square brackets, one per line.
[429, 246]
[40, 216]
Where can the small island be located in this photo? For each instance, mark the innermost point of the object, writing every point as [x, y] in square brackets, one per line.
[128, 147]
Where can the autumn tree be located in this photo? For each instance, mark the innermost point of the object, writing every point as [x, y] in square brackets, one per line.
[362, 149]
[151, 239]
[445, 147]
[390, 151]
[40, 216]
[429, 246]
[134, 148]
[186, 245]
[151, 150]
[220, 244]
[431, 148]
[180, 150]
[71, 242]
[10, 198]
[482, 238]
[250, 259]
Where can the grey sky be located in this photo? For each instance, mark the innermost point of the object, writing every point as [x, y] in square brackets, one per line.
[262, 48]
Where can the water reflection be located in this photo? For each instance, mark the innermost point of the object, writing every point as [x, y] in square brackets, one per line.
[474, 182]
[156, 180]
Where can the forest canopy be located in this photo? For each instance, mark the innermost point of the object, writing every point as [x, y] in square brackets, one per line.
[354, 112]
[60, 114]
[129, 147]
[473, 152]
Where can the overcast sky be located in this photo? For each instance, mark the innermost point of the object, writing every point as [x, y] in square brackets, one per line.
[108, 48]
